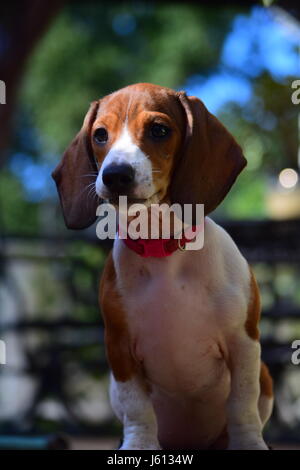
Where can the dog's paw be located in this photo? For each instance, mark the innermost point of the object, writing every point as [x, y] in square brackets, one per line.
[248, 445]
[139, 444]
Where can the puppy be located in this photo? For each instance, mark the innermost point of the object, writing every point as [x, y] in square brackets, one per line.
[181, 328]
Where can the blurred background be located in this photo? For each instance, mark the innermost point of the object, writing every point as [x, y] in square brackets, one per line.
[241, 59]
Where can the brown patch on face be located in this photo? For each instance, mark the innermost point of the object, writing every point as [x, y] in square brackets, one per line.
[141, 106]
[162, 108]
[117, 341]
[253, 314]
[111, 116]
[265, 380]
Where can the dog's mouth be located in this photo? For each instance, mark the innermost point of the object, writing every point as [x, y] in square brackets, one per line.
[130, 200]
[115, 200]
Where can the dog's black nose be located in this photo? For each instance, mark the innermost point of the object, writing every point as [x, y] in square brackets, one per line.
[118, 179]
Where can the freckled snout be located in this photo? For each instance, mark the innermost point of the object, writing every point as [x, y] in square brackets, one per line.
[118, 178]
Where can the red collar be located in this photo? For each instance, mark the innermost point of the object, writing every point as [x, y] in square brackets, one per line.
[157, 248]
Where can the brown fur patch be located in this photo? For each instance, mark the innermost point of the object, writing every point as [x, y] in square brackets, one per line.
[253, 314]
[140, 106]
[210, 161]
[265, 380]
[117, 339]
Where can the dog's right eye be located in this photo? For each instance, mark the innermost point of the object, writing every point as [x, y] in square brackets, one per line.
[100, 135]
[159, 131]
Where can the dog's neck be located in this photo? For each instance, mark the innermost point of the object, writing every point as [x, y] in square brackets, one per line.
[155, 242]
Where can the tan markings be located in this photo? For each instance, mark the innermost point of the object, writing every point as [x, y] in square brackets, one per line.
[210, 161]
[253, 314]
[140, 106]
[77, 161]
[117, 339]
[265, 380]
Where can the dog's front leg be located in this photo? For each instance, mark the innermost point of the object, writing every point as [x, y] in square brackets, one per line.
[244, 423]
[132, 405]
[128, 392]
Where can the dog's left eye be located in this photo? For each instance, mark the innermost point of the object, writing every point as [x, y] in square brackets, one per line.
[100, 135]
[159, 131]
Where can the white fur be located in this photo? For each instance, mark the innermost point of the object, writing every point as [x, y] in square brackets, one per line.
[265, 406]
[186, 314]
[133, 407]
[244, 422]
[124, 150]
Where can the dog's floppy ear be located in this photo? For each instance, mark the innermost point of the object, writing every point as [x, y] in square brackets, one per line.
[210, 160]
[74, 175]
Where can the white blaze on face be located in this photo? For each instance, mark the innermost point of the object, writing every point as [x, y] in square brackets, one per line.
[124, 150]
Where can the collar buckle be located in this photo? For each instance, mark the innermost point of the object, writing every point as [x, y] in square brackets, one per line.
[181, 248]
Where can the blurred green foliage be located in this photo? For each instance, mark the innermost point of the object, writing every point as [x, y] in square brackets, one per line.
[17, 214]
[267, 130]
[92, 50]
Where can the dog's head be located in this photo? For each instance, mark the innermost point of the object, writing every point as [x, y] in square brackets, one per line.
[151, 144]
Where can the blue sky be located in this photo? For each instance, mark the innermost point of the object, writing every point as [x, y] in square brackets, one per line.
[35, 177]
[256, 43]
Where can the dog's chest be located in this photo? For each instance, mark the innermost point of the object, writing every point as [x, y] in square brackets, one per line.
[172, 318]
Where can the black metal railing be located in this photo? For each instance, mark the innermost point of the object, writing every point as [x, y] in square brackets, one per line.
[60, 345]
